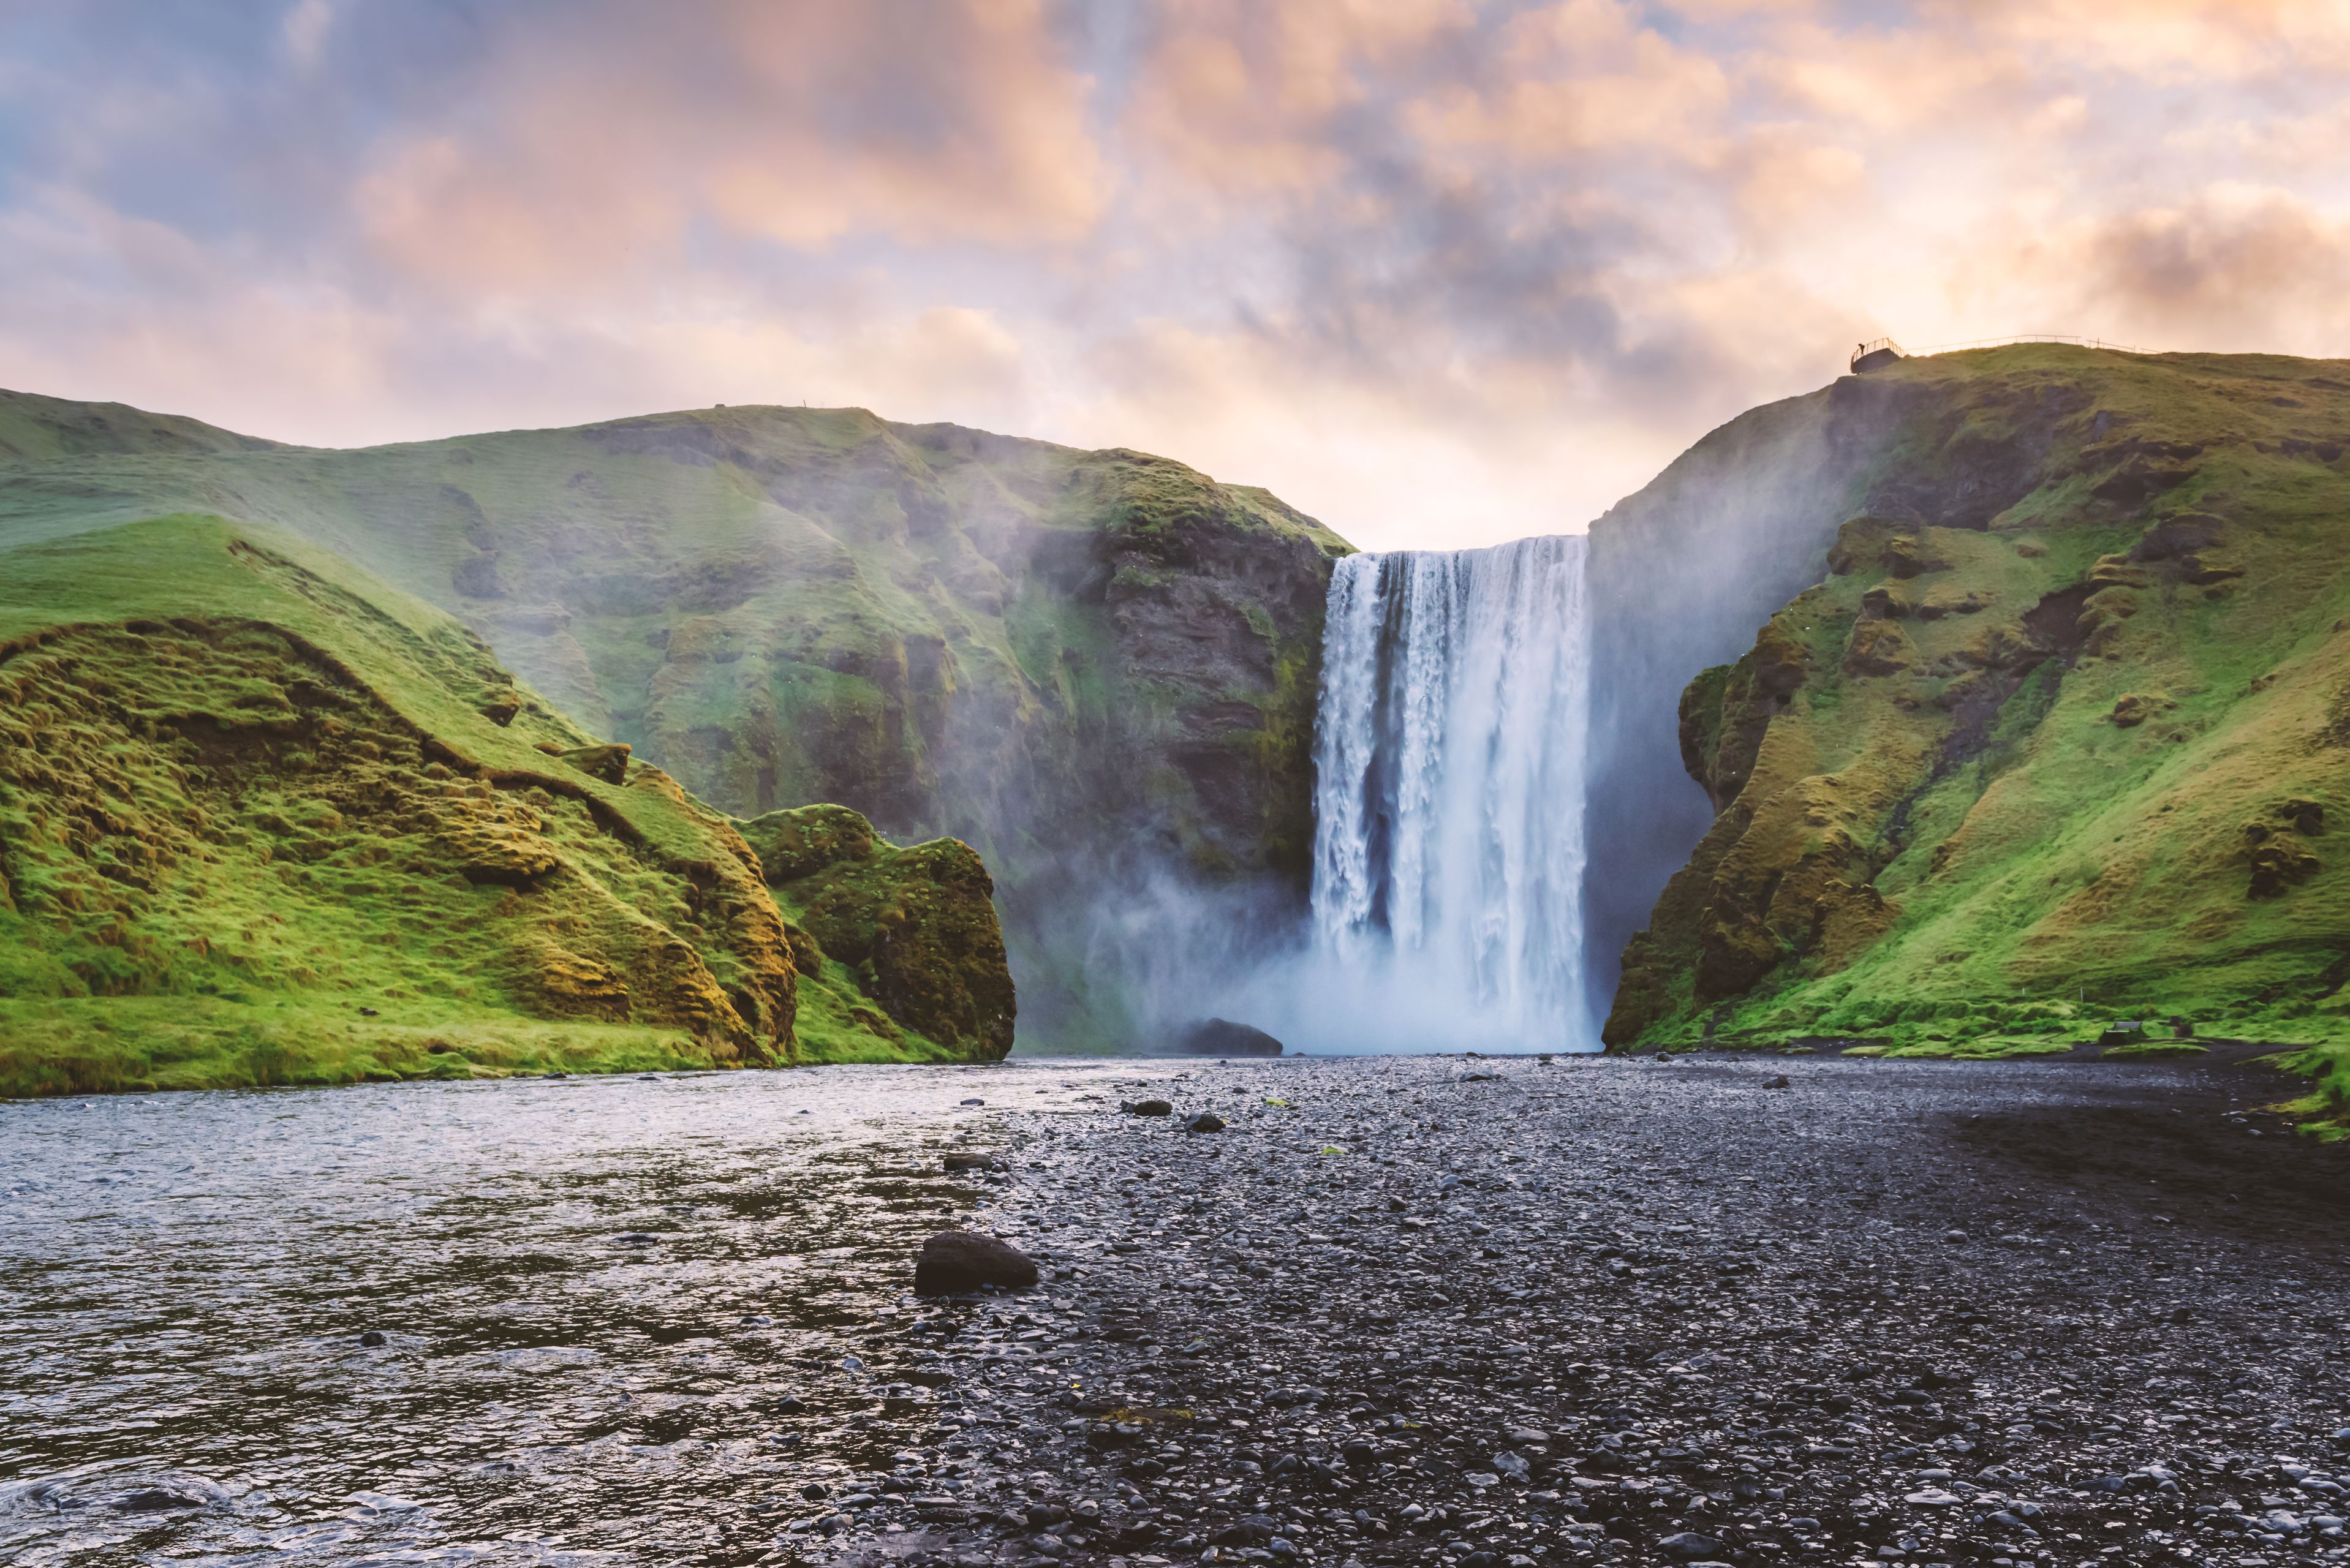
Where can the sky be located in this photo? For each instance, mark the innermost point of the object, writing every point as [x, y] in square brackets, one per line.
[1438, 272]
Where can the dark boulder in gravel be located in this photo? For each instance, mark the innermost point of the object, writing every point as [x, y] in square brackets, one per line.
[1148, 1108]
[1223, 1037]
[955, 1263]
[1204, 1122]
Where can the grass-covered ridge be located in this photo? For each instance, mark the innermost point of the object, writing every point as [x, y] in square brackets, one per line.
[265, 820]
[2063, 734]
[1056, 655]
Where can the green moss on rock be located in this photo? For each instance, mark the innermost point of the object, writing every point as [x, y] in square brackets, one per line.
[807, 839]
[915, 928]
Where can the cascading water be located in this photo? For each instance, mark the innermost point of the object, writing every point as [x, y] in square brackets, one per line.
[1449, 808]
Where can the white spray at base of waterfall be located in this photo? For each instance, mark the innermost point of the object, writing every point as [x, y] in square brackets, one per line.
[1449, 807]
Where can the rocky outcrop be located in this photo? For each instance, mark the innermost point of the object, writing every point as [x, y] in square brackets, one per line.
[2055, 725]
[913, 930]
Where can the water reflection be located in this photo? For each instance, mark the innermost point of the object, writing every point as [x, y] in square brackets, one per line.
[598, 1302]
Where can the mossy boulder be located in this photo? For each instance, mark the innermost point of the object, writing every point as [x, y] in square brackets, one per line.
[915, 928]
[808, 839]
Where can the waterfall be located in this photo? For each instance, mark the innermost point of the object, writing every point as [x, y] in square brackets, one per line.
[1449, 804]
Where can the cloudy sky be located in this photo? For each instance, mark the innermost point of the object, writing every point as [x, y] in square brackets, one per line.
[1437, 271]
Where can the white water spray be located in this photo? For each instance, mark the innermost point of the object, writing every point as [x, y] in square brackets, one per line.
[1449, 806]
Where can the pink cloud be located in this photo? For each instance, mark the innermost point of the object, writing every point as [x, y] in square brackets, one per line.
[804, 125]
[1440, 272]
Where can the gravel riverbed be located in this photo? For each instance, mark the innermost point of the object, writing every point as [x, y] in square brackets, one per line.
[1448, 1310]
[1515, 1312]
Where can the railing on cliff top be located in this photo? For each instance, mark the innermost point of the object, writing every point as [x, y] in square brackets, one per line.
[1887, 345]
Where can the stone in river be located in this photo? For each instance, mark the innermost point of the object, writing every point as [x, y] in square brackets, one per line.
[1223, 1037]
[975, 1162]
[374, 1337]
[955, 1261]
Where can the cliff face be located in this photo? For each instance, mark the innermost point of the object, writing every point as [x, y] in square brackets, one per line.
[263, 819]
[2058, 727]
[1065, 658]
[1679, 574]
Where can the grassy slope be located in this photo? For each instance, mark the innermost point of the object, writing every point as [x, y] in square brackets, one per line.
[1030, 647]
[821, 583]
[1946, 816]
[245, 792]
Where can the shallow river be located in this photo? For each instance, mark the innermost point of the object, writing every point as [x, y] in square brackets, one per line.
[1402, 1310]
[591, 1291]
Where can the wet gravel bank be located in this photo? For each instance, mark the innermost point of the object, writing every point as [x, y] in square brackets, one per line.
[1495, 1313]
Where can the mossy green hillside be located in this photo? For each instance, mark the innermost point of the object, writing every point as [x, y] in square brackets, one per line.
[263, 819]
[777, 605]
[1065, 658]
[2063, 735]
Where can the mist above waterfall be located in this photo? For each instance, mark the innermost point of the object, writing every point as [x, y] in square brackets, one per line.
[1448, 810]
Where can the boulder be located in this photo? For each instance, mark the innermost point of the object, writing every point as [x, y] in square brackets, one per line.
[1223, 1037]
[955, 1263]
[914, 927]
